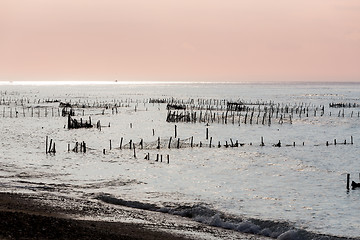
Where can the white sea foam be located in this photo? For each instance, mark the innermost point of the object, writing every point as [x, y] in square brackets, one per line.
[211, 217]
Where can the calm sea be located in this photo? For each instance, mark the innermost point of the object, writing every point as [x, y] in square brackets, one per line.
[234, 183]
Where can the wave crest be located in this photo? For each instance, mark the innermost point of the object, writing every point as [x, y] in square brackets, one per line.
[205, 214]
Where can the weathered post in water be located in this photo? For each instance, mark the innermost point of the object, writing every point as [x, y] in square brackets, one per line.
[169, 142]
[348, 181]
[262, 142]
[46, 147]
[53, 150]
[69, 121]
[49, 149]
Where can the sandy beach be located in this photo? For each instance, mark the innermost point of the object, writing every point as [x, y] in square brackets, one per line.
[45, 216]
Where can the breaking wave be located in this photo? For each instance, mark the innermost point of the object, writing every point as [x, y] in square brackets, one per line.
[205, 214]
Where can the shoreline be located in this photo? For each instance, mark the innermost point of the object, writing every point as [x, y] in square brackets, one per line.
[46, 216]
[23, 218]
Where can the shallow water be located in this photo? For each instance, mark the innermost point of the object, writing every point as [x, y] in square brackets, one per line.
[303, 186]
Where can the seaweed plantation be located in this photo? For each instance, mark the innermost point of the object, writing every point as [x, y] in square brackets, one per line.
[205, 111]
[233, 150]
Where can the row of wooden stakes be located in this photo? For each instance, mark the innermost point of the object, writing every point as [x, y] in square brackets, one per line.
[159, 157]
[82, 147]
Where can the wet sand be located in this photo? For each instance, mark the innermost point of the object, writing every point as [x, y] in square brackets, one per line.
[45, 216]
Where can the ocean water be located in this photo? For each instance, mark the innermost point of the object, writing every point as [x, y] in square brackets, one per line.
[297, 191]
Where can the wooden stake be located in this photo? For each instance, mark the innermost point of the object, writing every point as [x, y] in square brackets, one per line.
[50, 146]
[169, 142]
[348, 181]
[46, 150]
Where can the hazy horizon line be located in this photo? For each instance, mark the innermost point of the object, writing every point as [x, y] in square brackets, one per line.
[104, 82]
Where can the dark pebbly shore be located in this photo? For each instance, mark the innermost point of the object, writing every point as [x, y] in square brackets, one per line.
[44, 216]
[22, 218]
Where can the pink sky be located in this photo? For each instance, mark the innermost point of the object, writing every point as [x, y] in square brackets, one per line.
[187, 40]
